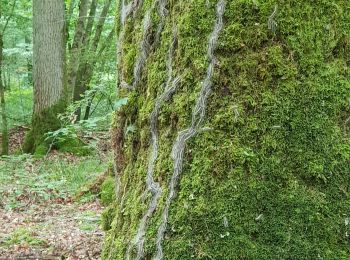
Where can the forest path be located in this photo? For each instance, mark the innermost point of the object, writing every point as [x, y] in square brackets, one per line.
[51, 231]
[39, 215]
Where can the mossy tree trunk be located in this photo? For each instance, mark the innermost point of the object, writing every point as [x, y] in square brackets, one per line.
[48, 70]
[234, 143]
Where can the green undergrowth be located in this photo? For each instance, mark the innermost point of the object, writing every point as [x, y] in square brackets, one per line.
[89, 220]
[270, 177]
[74, 146]
[19, 104]
[25, 178]
[22, 237]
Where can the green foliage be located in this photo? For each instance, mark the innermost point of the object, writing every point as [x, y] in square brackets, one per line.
[89, 220]
[19, 102]
[41, 150]
[43, 122]
[74, 146]
[45, 179]
[22, 237]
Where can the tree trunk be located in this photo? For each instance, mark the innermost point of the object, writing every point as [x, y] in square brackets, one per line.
[232, 144]
[86, 70]
[4, 126]
[76, 46]
[78, 91]
[89, 55]
[27, 41]
[48, 70]
[69, 15]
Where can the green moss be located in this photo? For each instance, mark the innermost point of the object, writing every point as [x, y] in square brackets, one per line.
[74, 146]
[41, 150]
[107, 217]
[108, 191]
[270, 180]
[42, 123]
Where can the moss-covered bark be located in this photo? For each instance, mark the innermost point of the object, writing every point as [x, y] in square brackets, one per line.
[267, 175]
[42, 123]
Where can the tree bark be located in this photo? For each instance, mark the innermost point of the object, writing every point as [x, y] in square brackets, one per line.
[232, 144]
[48, 70]
[77, 45]
[27, 40]
[90, 56]
[4, 125]
[69, 16]
[86, 69]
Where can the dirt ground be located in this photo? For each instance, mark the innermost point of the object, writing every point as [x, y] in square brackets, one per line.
[59, 228]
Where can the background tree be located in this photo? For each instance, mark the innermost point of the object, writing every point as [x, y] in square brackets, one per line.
[232, 144]
[92, 36]
[5, 19]
[48, 64]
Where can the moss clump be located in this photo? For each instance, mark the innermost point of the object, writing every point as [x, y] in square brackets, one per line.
[108, 191]
[107, 217]
[41, 150]
[271, 177]
[42, 123]
[74, 146]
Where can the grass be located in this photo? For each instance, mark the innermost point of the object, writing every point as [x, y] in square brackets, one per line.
[22, 236]
[24, 178]
[19, 104]
[89, 220]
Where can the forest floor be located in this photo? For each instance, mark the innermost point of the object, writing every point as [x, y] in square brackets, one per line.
[40, 215]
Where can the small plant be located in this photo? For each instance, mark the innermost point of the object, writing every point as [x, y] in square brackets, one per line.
[22, 236]
[25, 179]
[89, 221]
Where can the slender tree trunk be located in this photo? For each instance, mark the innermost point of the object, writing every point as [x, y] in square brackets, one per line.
[69, 16]
[89, 55]
[27, 41]
[89, 25]
[76, 46]
[86, 69]
[84, 55]
[48, 69]
[232, 144]
[100, 24]
[6, 79]
[4, 126]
